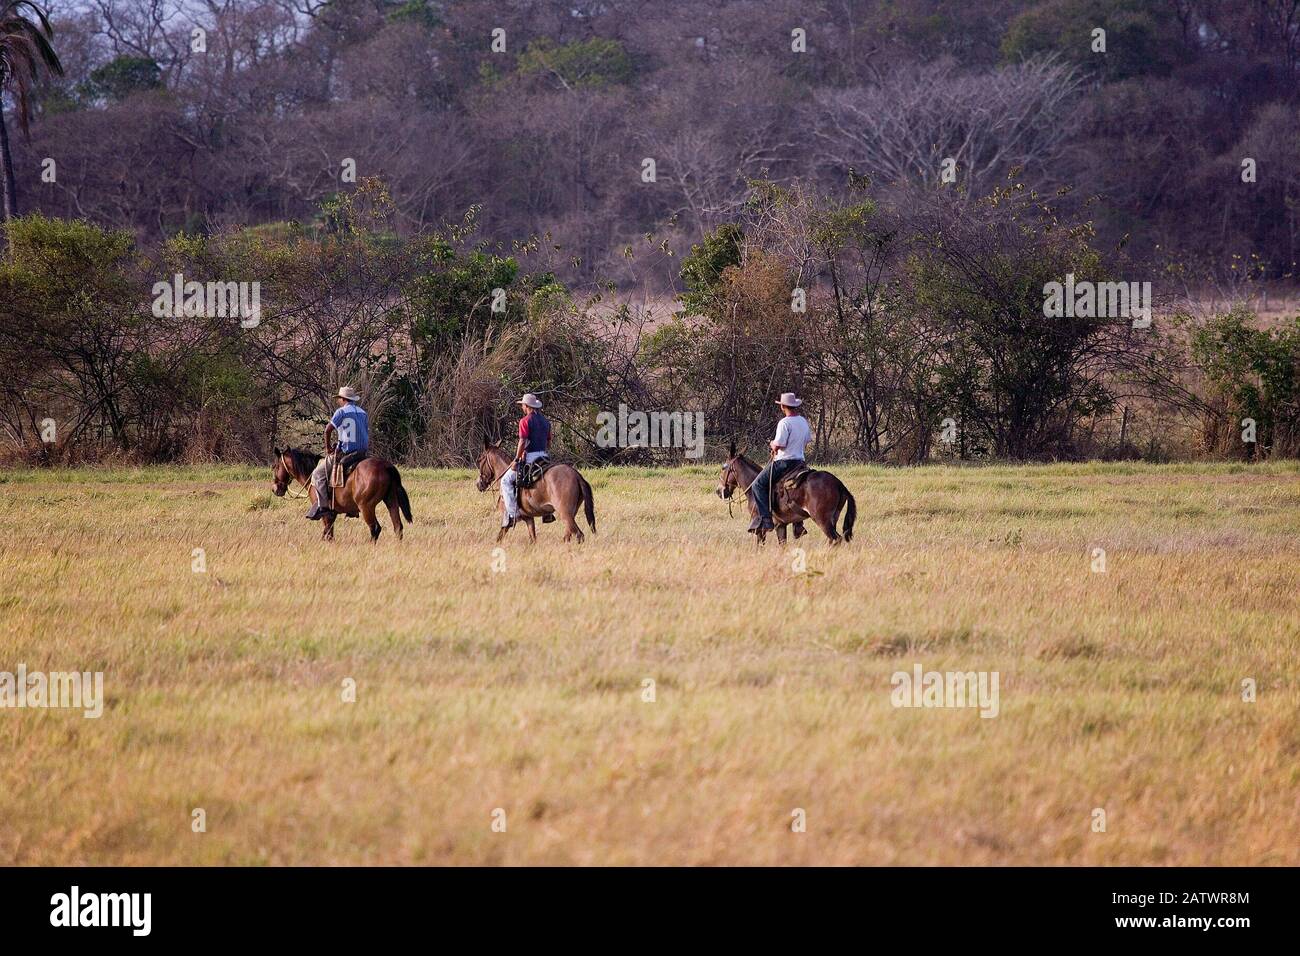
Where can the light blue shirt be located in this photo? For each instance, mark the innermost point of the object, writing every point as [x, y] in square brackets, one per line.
[353, 426]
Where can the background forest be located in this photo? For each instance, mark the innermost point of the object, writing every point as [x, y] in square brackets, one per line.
[381, 169]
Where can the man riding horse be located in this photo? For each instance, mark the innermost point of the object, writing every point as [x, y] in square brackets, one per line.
[787, 492]
[555, 494]
[793, 433]
[534, 444]
[352, 426]
[368, 480]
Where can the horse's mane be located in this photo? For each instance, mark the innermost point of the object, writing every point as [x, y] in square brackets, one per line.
[303, 461]
[741, 460]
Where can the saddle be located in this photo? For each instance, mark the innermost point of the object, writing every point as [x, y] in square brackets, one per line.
[796, 477]
[530, 474]
[526, 476]
[341, 466]
[789, 484]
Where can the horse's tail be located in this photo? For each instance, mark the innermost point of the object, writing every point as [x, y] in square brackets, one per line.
[403, 502]
[850, 513]
[588, 506]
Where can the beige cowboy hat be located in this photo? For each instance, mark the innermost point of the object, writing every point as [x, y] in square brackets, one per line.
[350, 393]
[789, 400]
[531, 400]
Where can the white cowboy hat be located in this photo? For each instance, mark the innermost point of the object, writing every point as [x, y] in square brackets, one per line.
[350, 393]
[789, 400]
[531, 400]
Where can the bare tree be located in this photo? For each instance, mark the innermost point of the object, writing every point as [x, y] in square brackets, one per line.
[904, 127]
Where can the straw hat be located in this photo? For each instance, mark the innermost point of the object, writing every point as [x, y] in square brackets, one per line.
[789, 400]
[531, 400]
[350, 393]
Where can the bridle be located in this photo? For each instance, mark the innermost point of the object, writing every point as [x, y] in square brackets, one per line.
[292, 478]
[495, 477]
[739, 491]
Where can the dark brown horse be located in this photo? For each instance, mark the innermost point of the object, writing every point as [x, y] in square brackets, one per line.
[820, 496]
[372, 481]
[561, 491]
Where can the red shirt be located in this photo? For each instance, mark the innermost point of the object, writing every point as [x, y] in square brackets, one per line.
[535, 430]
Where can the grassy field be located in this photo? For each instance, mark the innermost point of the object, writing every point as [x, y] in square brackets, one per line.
[514, 681]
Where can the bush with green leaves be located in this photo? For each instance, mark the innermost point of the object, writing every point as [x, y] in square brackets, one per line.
[1141, 38]
[1255, 373]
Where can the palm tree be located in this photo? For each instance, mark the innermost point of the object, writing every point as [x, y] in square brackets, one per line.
[25, 35]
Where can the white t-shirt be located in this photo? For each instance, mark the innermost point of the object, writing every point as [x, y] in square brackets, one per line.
[793, 432]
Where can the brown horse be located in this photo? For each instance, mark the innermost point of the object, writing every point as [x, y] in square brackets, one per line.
[372, 481]
[561, 490]
[820, 496]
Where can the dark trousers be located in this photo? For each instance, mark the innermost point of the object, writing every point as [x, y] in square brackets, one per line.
[762, 487]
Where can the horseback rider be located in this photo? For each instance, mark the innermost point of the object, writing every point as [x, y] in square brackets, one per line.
[352, 426]
[793, 433]
[534, 440]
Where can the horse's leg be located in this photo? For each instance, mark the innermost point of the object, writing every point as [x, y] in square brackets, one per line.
[327, 531]
[753, 513]
[526, 503]
[780, 535]
[835, 519]
[367, 509]
[565, 500]
[394, 511]
[823, 508]
[569, 504]
[796, 514]
[826, 521]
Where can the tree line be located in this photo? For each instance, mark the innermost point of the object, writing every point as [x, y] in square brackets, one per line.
[914, 326]
[181, 116]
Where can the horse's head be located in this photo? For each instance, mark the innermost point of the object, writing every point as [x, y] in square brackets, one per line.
[280, 474]
[729, 480]
[487, 465]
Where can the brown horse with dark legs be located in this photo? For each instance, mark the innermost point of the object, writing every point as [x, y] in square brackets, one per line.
[561, 491]
[820, 496]
[369, 483]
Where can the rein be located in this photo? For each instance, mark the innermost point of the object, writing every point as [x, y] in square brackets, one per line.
[305, 487]
[745, 491]
[496, 479]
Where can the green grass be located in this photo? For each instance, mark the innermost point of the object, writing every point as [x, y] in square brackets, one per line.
[521, 689]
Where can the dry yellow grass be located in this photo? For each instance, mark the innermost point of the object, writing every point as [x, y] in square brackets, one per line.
[522, 690]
